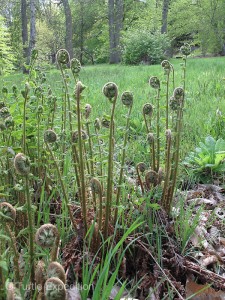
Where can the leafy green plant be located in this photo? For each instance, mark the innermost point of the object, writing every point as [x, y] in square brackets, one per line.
[141, 46]
[208, 158]
[185, 223]
[217, 122]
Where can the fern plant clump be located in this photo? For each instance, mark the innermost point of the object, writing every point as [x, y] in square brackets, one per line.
[74, 196]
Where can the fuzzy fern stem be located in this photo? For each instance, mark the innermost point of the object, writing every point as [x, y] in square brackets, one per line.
[62, 186]
[110, 168]
[158, 129]
[122, 164]
[31, 234]
[80, 151]
[167, 99]
[99, 145]
[25, 93]
[15, 252]
[63, 58]
[91, 159]
[167, 170]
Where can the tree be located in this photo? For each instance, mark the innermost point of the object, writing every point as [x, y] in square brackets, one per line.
[50, 30]
[81, 31]
[89, 23]
[165, 9]
[115, 15]
[24, 30]
[211, 28]
[32, 40]
[28, 46]
[69, 27]
[206, 31]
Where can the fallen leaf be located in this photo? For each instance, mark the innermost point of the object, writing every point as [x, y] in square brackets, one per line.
[222, 240]
[208, 260]
[202, 292]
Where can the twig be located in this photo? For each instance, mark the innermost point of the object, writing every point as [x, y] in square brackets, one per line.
[217, 280]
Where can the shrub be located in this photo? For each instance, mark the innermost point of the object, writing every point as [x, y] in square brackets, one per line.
[141, 46]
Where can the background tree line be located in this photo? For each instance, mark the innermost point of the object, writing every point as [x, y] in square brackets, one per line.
[99, 31]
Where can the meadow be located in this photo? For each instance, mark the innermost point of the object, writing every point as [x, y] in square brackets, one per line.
[91, 159]
[204, 105]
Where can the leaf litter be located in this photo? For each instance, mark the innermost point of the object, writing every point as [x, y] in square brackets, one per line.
[197, 275]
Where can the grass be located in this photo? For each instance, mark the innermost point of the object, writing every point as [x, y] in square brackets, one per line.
[205, 94]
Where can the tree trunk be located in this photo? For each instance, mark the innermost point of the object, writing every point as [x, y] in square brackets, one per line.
[118, 27]
[32, 41]
[165, 9]
[81, 31]
[24, 31]
[69, 31]
[115, 15]
[223, 50]
[111, 31]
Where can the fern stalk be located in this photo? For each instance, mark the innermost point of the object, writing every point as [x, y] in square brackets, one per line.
[165, 199]
[122, 164]
[110, 162]
[31, 234]
[15, 252]
[80, 151]
[62, 186]
[158, 129]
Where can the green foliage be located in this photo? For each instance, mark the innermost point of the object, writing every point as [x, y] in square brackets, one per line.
[208, 157]
[142, 15]
[90, 31]
[141, 46]
[105, 279]
[99, 44]
[206, 32]
[185, 223]
[211, 28]
[90, 26]
[49, 38]
[6, 55]
[218, 122]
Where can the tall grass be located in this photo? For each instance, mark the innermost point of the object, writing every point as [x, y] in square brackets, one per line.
[204, 96]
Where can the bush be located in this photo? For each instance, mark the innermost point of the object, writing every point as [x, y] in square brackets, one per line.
[141, 46]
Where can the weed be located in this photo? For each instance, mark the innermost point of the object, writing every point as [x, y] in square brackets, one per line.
[208, 159]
